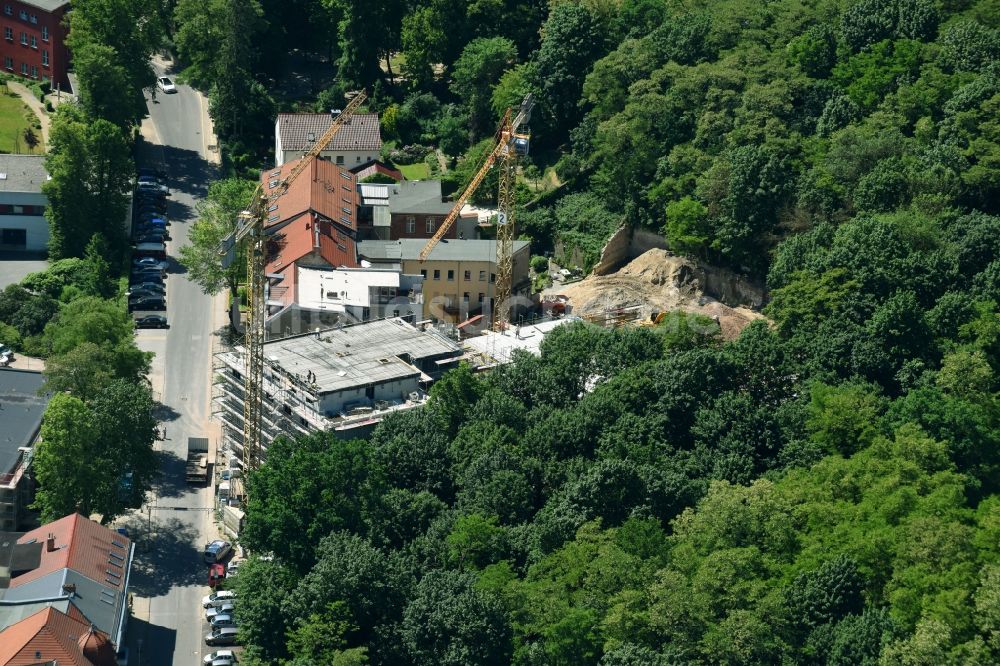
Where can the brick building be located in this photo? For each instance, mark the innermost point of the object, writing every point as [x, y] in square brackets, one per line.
[34, 40]
[409, 209]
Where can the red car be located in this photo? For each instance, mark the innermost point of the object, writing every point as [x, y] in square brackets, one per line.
[216, 573]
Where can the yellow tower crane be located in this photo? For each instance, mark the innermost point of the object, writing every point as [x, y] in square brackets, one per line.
[250, 230]
[512, 141]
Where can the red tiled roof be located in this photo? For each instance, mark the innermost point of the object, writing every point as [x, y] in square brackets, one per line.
[361, 132]
[324, 188]
[79, 544]
[47, 636]
[371, 168]
[303, 236]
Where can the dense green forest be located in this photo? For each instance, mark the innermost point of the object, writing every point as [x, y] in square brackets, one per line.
[822, 490]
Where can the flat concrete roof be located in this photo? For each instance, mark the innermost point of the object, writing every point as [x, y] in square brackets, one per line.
[501, 346]
[22, 173]
[364, 354]
[21, 410]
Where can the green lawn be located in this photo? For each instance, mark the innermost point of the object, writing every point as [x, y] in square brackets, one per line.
[12, 124]
[418, 171]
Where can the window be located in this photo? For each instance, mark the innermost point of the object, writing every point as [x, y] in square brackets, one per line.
[8, 10]
[45, 33]
[480, 297]
[32, 18]
[340, 159]
[24, 15]
[493, 278]
[8, 34]
[358, 158]
[451, 276]
[24, 68]
[482, 276]
[34, 72]
[8, 62]
[411, 225]
[423, 273]
[24, 38]
[437, 274]
[465, 297]
[45, 58]
[34, 42]
[431, 223]
[467, 275]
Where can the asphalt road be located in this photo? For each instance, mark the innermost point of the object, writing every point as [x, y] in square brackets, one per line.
[169, 577]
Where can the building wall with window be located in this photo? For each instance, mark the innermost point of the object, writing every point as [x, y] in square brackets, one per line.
[23, 226]
[459, 276]
[34, 40]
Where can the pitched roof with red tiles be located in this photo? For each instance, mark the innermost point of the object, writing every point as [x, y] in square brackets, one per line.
[79, 544]
[323, 187]
[361, 132]
[303, 236]
[51, 636]
[367, 169]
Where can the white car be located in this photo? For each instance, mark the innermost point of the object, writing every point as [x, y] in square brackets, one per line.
[220, 657]
[226, 608]
[217, 598]
[166, 85]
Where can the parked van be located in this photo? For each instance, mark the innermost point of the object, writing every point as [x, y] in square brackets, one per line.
[158, 250]
[222, 636]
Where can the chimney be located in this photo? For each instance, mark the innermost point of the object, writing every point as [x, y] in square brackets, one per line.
[50, 543]
[69, 588]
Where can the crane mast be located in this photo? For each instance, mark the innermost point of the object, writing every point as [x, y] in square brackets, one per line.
[250, 230]
[512, 141]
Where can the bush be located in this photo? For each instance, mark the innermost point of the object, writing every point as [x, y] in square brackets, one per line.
[409, 154]
[9, 336]
[539, 264]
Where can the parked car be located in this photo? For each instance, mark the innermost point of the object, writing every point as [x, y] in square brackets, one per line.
[153, 187]
[151, 195]
[222, 636]
[152, 321]
[223, 620]
[226, 608]
[153, 219]
[6, 351]
[233, 569]
[147, 303]
[150, 171]
[144, 275]
[216, 574]
[220, 658]
[150, 261]
[145, 293]
[217, 551]
[166, 85]
[217, 598]
[151, 236]
[152, 285]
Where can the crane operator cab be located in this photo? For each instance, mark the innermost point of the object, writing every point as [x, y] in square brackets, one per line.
[522, 143]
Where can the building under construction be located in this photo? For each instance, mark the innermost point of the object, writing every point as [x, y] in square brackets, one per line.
[342, 379]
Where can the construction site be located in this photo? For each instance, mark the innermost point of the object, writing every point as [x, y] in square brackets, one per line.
[656, 282]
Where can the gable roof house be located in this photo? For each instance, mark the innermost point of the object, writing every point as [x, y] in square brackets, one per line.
[312, 225]
[72, 565]
[51, 636]
[358, 141]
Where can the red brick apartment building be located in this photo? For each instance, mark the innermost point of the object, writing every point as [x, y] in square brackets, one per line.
[34, 40]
